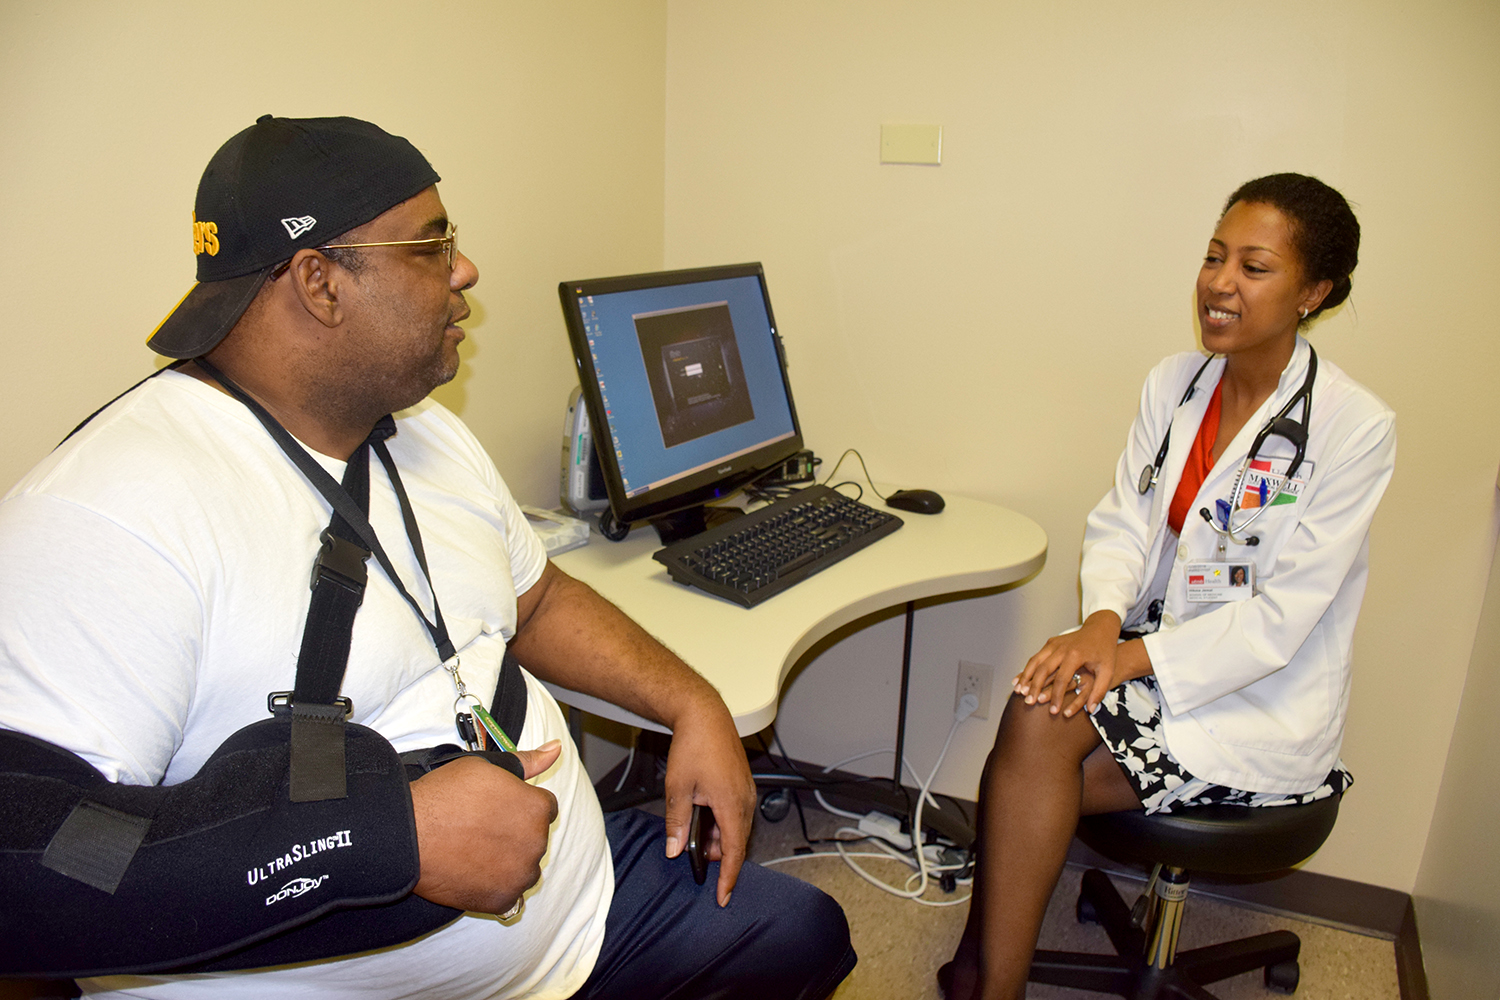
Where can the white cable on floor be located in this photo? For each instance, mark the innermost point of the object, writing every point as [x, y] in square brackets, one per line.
[906, 764]
[625, 771]
[967, 707]
[847, 857]
[835, 809]
[916, 835]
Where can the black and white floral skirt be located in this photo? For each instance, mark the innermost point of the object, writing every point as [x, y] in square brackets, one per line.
[1129, 722]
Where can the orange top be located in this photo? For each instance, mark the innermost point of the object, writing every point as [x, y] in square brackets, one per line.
[1199, 462]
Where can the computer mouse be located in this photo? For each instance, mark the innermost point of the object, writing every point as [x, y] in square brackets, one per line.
[916, 501]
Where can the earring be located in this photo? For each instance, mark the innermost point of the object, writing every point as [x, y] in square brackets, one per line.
[1304, 312]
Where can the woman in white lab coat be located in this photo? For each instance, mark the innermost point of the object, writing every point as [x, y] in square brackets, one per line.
[1184, 685]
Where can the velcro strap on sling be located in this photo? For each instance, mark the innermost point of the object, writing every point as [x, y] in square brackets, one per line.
[317, 770]
[95, 845]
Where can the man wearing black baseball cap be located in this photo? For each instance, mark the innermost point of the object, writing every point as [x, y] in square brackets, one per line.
[280, 186]
[153, 592]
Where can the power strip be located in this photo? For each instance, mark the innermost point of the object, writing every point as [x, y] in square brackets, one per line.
[887, 828]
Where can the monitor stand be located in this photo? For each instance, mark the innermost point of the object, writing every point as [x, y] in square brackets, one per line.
[690, 521]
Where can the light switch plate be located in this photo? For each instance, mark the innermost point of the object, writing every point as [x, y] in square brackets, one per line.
[911, 144]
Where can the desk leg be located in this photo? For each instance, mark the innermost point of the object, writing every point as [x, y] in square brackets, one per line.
[911, 614]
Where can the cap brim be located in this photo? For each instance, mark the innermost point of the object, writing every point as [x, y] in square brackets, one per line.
[205, 315]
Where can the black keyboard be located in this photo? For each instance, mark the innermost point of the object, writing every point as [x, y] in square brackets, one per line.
[764, 552]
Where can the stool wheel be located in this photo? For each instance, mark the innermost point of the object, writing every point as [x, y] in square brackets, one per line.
[775, 804]
[1085, 911]
[1283, 976]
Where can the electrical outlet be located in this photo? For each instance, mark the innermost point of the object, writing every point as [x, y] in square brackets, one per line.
[975, 679]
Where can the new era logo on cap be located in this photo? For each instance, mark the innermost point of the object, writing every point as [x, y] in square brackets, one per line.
[295, 227]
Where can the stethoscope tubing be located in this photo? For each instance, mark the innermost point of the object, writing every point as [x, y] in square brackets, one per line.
[1152, 472]
[1229, 530]
[1293, 431]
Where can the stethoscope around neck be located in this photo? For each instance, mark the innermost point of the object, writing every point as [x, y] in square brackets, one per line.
[1281, 425]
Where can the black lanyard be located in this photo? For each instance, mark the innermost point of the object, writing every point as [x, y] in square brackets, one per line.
[346, 507]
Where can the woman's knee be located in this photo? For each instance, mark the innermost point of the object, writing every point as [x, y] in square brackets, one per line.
[1031, 735]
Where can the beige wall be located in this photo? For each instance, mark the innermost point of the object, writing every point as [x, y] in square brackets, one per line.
[982, 327]
[1457, 895]
[977, 328]
[545, 119]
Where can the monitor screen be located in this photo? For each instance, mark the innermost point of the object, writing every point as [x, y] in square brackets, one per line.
[685, 383]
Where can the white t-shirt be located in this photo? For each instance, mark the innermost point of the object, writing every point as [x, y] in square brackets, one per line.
[153, 590]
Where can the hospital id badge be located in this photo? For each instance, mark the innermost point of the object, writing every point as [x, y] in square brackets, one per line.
[1211, 582]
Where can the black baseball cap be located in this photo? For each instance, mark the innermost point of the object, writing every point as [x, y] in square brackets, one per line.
[281, 185]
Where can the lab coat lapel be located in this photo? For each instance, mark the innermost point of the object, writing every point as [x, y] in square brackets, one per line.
[1185, 421]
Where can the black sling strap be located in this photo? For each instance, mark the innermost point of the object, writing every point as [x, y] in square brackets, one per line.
[338, 583]
[318, 769]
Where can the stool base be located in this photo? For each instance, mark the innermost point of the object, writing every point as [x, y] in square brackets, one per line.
[1126, 973]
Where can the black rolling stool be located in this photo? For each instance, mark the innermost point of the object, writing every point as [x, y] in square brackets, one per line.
[1228, 840]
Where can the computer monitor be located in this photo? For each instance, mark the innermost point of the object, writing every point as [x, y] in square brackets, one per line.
[685, 383]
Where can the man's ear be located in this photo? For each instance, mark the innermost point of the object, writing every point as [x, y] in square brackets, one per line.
[317, 284]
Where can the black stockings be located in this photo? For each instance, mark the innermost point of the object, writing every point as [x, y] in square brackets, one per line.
[1042, 774]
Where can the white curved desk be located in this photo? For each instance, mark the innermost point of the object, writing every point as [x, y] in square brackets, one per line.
[747, 653]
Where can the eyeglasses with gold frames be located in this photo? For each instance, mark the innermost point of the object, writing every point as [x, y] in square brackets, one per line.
[448, 243]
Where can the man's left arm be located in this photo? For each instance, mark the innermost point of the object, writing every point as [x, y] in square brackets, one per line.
[567, 634]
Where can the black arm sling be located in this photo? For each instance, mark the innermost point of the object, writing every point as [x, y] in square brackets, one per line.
[294, 842]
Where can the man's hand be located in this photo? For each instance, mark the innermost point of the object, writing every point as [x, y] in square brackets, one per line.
[707, 766]
[481, 831]
[569, 635]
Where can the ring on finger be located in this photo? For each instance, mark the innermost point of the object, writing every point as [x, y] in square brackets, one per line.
[1078, 684]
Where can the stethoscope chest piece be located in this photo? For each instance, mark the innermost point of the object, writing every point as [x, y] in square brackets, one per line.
[1148, 479]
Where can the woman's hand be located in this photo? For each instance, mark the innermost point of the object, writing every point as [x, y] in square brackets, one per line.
[1087, 654]
[1130, 661]
[1077, 669]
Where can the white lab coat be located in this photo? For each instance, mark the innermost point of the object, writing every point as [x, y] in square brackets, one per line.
[1254, 693]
